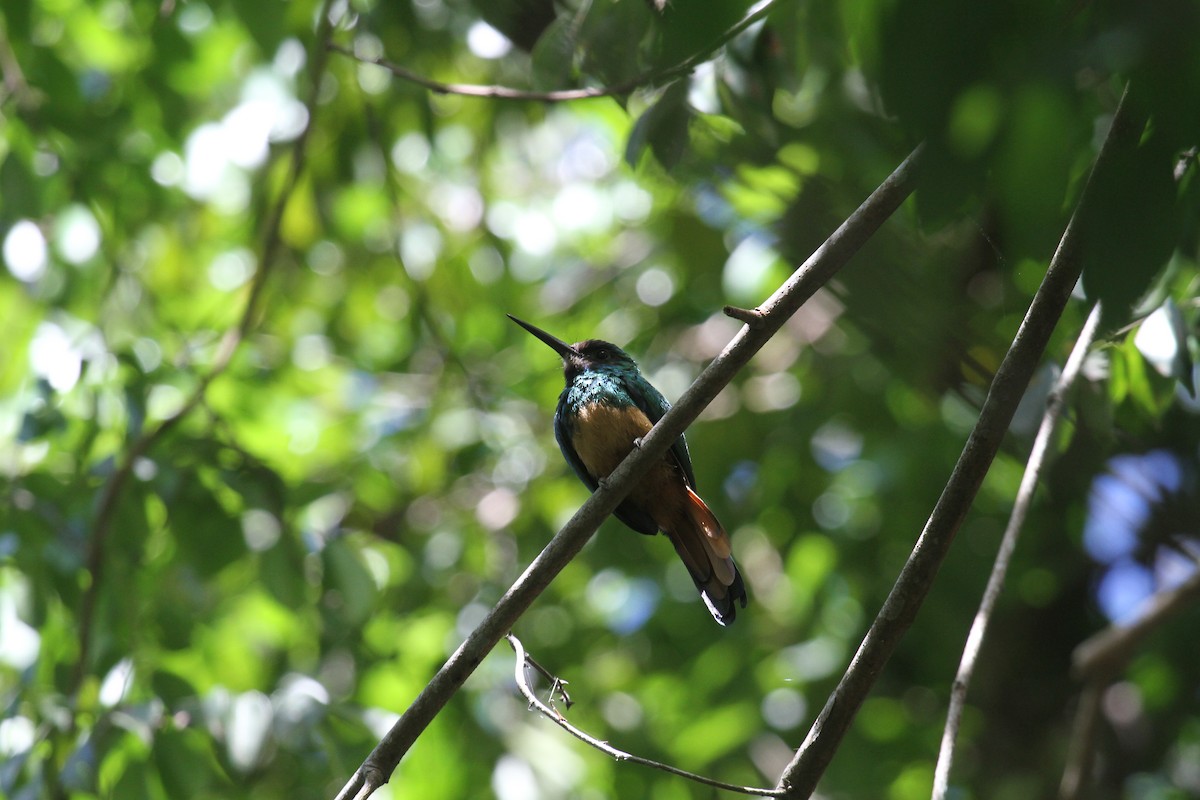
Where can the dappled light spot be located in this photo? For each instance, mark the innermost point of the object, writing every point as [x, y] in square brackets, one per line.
[497, 508]
[25, 251]
[298, 704]
[260, 528]
[487, 42]
[19, 643]
[748, 268]
[17, 735]
[836, 445]
[514, 779]
[621, 710]
[1122, 704]
[248, 729]
[231, 269]
[518, 465]
[410, 153]
[1156, 340]
[459, 206]
[420, 248]
[741, 481]
[321, 518]
[623, 604]
[372, 78]
[552, 625]
[784, 708]
[1128, 535]
[311, 351]
[76, 234]
[831, 511]
[655, 286]
[443, 549]
[304, 430]
[811, 660]
[581, 207]
[116, 683]
[534, 233]
[55, 357]
[163, 401]
[168, 169]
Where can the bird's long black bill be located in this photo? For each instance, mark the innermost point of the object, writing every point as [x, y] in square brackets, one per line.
[560, 347]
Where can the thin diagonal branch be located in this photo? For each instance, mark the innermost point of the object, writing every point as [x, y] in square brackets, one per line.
[1008, 544]
[272, 241]
[1103, 655]
[556, 716]
[1097, 661]
[814, 273]
[801, 776]
[652, 78]
[1082, 745]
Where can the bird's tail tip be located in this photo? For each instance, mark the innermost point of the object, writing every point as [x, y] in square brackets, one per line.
[723, 605]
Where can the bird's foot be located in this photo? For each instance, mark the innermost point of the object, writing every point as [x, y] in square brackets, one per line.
[638, 443]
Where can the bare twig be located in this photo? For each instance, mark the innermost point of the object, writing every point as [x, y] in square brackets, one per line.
[747, 316]
[1082, 746]
[916, 577]
[114, 489]
[1008, 543]
[653, 78]
[815, 272]
[557, 685]
[553, 714]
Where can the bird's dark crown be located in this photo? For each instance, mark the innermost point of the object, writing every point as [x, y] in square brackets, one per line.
[594, 354]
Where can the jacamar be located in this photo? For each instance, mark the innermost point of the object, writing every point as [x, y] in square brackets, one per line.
[602, 414]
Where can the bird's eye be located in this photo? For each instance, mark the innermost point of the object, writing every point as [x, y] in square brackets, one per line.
[602, 355]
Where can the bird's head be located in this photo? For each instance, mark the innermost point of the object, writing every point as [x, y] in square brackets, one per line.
[588, 355]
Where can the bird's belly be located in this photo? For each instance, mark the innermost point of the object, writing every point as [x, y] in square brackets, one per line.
[604, 434]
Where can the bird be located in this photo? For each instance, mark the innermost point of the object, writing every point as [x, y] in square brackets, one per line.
[604, 411]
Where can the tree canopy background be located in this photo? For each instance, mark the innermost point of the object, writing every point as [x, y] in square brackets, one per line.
[270, 446]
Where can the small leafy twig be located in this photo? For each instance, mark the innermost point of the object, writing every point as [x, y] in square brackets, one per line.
[651, 78]
[523, 659]
[1008, 543]
[822, 265]
[271, 243]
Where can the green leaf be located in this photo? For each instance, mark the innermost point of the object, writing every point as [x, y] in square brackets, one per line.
[208, 536]
[349, 588]
[1130, 228]
[186, 763]
[663, 128]
[553, 57]
[611, 37]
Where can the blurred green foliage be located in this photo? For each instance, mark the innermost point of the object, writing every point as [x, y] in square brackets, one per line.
[286, 566]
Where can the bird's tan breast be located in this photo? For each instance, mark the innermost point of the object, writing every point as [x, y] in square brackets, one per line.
[603, 435]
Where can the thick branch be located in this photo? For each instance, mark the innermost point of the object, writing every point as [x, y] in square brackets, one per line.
[1016, 521]
[915, 579]
[819, 268]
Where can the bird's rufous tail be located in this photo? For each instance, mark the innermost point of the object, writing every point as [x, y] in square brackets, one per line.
[703, 546]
